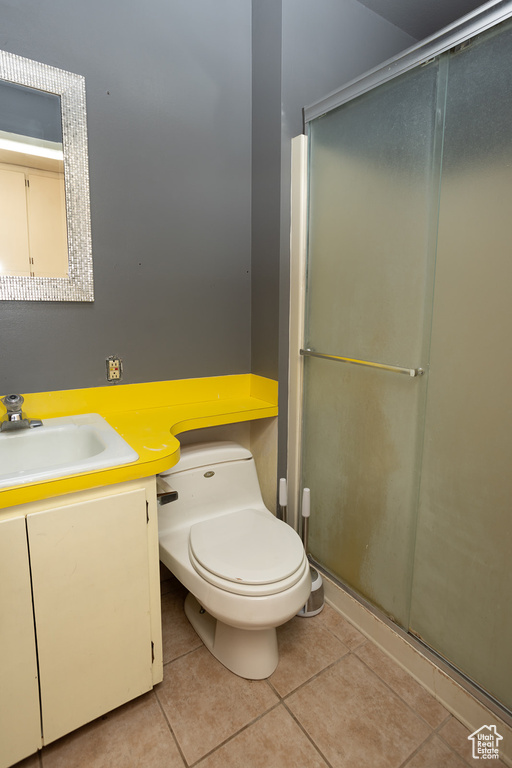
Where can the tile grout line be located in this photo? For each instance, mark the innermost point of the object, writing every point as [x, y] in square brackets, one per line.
[302, 685]
[450, 747]
[233, 735]
[182, 655]
[351, 650]
[368, 640]
[313, 677]
[170, 729]
[436, 733]
[404, 702]
[418, 749]
[437, 729]
[282, 699]
[433, 730]
[306, 734]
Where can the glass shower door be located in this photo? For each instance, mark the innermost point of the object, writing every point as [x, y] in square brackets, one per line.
[411, 490]
[373, 200]
[462, 586]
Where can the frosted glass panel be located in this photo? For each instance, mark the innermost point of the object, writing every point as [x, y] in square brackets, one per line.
[360, 461]
[370, 222]
[411, 479]
[463, 576]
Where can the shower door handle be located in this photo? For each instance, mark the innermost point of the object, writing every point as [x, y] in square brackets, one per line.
[412, 372]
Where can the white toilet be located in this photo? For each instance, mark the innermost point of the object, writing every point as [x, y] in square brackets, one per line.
[246, 571]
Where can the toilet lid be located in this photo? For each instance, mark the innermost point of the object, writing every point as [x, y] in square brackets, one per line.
[247, 547]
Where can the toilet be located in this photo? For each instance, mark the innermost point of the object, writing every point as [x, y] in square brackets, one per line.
[245, 570]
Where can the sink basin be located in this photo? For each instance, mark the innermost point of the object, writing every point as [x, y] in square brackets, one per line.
[63, 446]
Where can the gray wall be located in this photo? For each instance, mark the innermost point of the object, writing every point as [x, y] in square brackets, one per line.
[301, 51]
[266, 184]
[169, 118]
[191, 107]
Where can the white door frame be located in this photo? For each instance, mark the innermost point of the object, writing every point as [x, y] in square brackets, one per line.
[298, 253]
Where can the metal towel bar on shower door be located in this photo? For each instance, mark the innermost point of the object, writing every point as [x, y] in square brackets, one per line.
[412, 372]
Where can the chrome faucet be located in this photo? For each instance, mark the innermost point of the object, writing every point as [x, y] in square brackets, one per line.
[14, 418]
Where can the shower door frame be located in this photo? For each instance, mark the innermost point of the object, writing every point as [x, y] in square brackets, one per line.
[489, 15]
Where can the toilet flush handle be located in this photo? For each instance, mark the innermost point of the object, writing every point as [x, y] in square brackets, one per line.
[165, 493]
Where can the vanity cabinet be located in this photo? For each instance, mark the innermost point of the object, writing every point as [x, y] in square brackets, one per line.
[20, 724]
[80, 612]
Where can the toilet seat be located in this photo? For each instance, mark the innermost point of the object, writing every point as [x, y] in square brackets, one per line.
[248, 552]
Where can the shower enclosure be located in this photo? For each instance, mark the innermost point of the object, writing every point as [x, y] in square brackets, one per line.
[406, 355]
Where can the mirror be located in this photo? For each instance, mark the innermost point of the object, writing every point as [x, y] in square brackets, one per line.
[45, 232]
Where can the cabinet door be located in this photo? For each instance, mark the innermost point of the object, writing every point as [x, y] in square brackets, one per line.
[20, 723]
[48, 237]
[14, 253]
[90, 578]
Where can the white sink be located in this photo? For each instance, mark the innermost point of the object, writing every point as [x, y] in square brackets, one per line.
[61, 447]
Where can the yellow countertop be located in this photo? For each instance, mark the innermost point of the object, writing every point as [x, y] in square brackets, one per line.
[148, 416]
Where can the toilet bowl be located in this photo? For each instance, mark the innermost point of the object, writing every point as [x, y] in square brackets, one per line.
[245, 570]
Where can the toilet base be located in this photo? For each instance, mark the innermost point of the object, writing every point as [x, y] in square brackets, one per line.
[248, 653]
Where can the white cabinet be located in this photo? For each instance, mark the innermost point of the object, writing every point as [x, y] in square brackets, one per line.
[95, 597]
[14, 224]
[33, 229]
[20, 724]
[47, 227]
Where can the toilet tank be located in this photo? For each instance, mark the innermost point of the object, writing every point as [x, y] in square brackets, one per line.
[211, 479]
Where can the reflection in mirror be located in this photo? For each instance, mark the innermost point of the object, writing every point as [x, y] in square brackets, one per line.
[33, 235]
[45, 243]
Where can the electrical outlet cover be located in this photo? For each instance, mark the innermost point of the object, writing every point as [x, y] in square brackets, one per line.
[114, 368]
